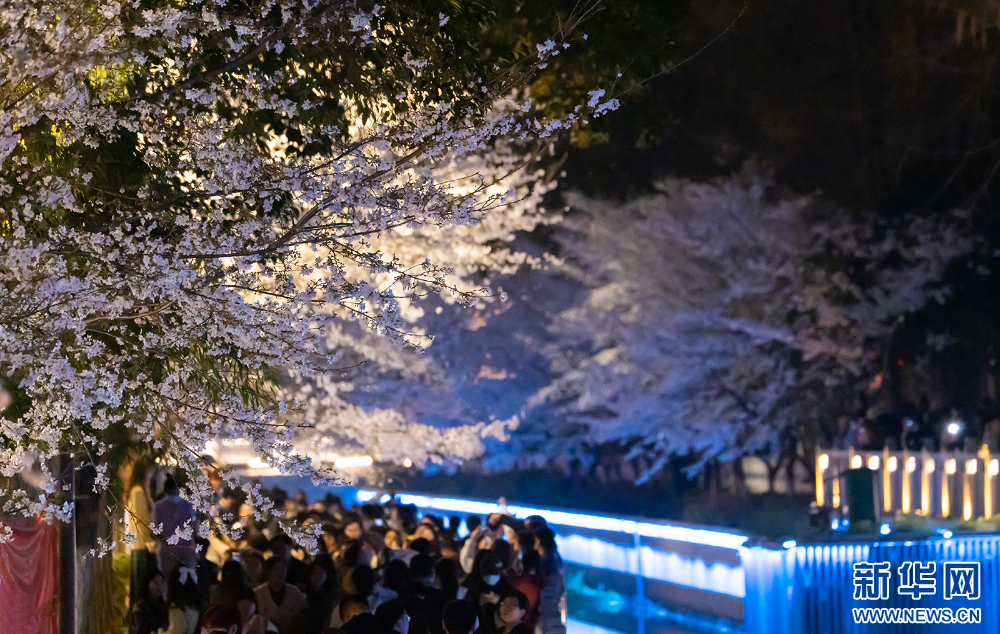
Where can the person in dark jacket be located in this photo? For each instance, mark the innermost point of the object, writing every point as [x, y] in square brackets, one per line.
[281, 548]
[459, 617]
[151, 613]
[420, 597]
[486, 583]
[391, 618]
[231, 586]
[321, 594]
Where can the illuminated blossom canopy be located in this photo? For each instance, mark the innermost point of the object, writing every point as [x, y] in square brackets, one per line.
[198, 199]
[717, 315]
[703, 320]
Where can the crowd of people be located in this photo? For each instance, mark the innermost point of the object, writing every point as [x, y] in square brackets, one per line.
[380, 569]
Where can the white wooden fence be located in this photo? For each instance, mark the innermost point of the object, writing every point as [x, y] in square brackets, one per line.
[931, 484]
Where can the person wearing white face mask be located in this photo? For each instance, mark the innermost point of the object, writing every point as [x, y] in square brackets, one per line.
[486, 583]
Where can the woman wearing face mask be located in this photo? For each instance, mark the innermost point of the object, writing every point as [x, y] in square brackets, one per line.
[486, 583]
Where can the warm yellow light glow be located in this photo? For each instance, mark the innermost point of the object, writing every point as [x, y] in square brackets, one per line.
[925, 484]
[967, 496]
[836, 492]
[856, 462]
[906, 493]
[822, 462]
[873, 463]
[945, 497]
[971, 467]
[909, 466]
[407, 463]
[257, 463]
[890, 466]
[950, 466]
[352, 461]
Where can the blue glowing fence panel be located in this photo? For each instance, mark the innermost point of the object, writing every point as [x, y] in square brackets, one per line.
[582, 627]
[656, 564]
[809, 589]
[700, 580]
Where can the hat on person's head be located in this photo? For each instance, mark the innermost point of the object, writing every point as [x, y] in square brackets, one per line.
[490, 564]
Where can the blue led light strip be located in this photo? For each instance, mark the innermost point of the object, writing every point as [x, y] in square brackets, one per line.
[686, 534]
[582, 627]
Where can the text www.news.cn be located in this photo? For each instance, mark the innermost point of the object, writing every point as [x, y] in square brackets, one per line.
[917, 615]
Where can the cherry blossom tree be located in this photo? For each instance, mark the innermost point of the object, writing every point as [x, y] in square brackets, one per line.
[719, 314]
[198, 199]
[408, 386]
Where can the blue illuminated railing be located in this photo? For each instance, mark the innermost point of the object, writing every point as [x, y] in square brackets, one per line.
[809, 588]
[631, 575]
[640, 576]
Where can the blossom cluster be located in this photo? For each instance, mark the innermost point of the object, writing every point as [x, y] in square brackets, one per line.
[717, 316]
[199, 207]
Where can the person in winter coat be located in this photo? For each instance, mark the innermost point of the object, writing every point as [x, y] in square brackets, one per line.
[150, 614]
[278, 601]
[552, 602]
